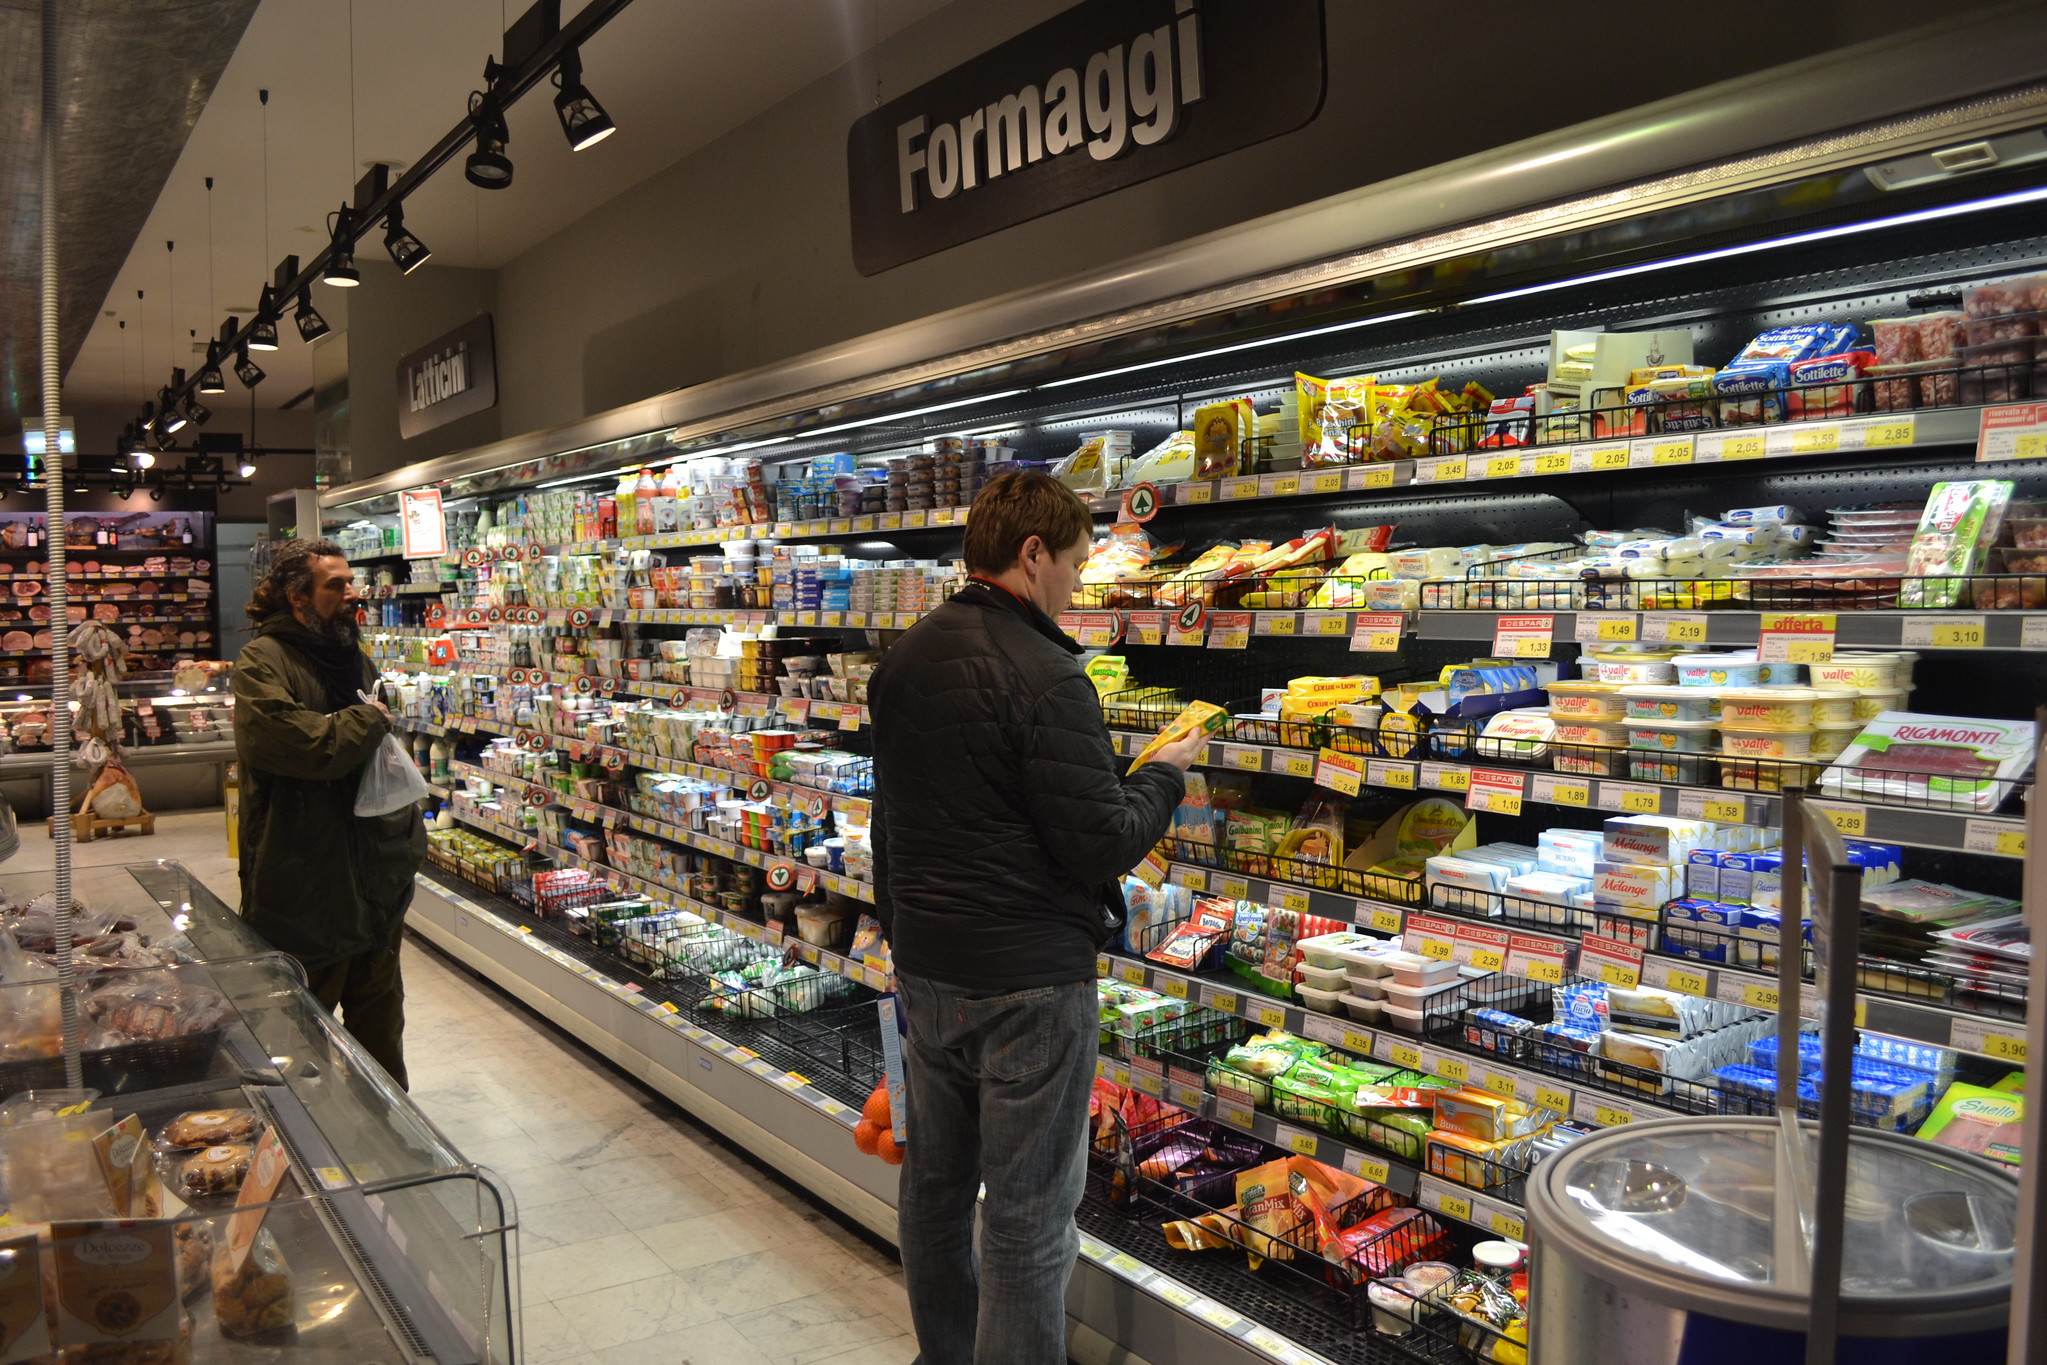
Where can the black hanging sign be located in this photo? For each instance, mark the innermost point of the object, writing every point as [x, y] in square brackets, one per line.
[1107, 94]
[452, 377]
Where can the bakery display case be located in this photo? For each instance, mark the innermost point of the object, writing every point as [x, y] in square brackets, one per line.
[288, 1196]
[177, 737]
[147, 575]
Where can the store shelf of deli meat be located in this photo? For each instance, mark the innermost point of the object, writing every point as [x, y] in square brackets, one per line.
[1515, 605]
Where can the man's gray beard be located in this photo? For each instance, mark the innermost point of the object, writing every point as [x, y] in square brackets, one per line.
[341, 628]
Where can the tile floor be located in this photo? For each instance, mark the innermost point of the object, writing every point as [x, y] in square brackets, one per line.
[641, 1231]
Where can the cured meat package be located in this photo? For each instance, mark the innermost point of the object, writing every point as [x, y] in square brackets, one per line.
[1948, 762]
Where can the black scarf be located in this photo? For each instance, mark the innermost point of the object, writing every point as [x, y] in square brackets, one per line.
[338, 662]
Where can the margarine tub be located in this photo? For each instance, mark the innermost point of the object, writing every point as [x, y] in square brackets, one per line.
[1783, 675]
[1863, 671]
[1718, 670]
[1587, 732]
[1672, 736]
[1632, 665]
[1768, 708]
[1833, 705]
[1766, 743]
[1652, 701]
[1586, 700]
[1873, 701]
[1648, 766]
[1829, 740]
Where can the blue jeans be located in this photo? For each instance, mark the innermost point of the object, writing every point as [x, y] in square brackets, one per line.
[997, 1093]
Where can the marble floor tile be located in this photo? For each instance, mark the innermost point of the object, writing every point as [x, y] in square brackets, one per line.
[565, 1271]
[898, 1350]
[691, 1242]
[711, 1343]
[808, 1329]
[565, 1222]
[661, 1308]
[548, 1339]
[764, 1279]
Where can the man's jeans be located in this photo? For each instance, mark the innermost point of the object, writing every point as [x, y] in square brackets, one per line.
[998, 1086]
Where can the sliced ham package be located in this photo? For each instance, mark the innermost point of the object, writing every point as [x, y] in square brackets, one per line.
[1947, 762]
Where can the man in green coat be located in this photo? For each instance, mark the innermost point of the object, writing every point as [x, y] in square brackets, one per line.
[320, 882]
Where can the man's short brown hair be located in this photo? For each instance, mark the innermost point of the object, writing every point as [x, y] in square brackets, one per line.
[1014, 507]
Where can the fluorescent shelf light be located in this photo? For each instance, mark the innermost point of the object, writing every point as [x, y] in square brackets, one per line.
[914, 412]
[1240, 346]
[1931, 215]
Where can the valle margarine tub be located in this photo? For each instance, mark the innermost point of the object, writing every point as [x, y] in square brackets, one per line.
[1654, 701]
[1718, 670]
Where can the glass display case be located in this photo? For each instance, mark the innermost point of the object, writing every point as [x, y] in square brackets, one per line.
[149, 575]
[381, 1243]
[178, 738]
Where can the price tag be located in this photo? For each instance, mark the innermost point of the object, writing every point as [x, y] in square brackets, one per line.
[1549, 1097]
[1322, 1028]
[1173, 986]
[1455, 1205]
[1659, 450]
[1431, 937]
[1994, 837]
[1369, 1167]
[1878, 432]
[1611, 961]
[1503, 467]
[1277, 623]
[1370, 477]
[1852, 821]
[1229, 630]
[1606, 627]
[1943, 631]
[1272, 1016]
[1404, 1054]
[1236, 1115]
[1382, 772]
[1996, 1038]
[1596, 459]
[1326, 623]
[1523, 637]
[1189, 1096]
[1725, 810]
[1236, 888]
[1219, 1000]
[1325, 483]
[1297, 1140]
[1452, 1068]
[1483, 948]
[1197, 492]
[1498, 792]
[1536, 958]
[1377, 632]
[1551, 462]
[1436, 948]
[1358, 1044]
[1339, 772]
[1296, 901]
[1241, 756]
[1132, 973]
[1447, 470]
[1674, 627]
[1560, 791]
[1445, 777]
[1611, 1115]
[1814, 440]
[1760, 997]
[1235, 490]
[1507, 1225]
[1147, 627]
[1298, 765]
[1790, 637]
[1501, 1084]
[1279, 485]
[1383, 919]
[1685, 981]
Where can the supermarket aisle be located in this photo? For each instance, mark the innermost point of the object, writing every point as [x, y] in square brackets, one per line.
[640, 1231]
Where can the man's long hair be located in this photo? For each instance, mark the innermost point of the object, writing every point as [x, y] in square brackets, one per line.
[291, 571]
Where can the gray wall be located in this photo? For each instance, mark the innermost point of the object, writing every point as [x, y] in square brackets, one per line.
[391, 315]
[739, 255]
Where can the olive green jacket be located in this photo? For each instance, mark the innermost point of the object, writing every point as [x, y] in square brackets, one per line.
[318, 881]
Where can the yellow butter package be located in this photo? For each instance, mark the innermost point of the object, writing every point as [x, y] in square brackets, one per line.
[1199, 715]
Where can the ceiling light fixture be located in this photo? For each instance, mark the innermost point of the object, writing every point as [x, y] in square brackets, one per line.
[584, 122]
[311, 325]
[248, 466]
[407, 251]
[488, 168]
[914, 412]
[209, 374]
[263, 331]
[197, 412]
[247, 370]
[341, 271]
[1240, 346]
[172, 420]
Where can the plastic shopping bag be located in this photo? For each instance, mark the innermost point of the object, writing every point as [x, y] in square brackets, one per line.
[390, 780]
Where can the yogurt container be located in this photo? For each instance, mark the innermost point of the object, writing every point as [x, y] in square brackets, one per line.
[1767, 744]
[1718, 670]
[1632, 665]
[1768, 708]
[1334, 950]
[1586, 700]
[1406, 1018]
[1874, 701]
[1865, 671]
[1412, 971]
[1648, 701]
[1783, 675]
[1672, 736]
[1829, 740]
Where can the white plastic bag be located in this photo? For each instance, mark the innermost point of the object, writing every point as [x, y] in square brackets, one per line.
[390, 780]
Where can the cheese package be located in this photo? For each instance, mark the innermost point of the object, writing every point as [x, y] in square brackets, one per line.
[1465, 883]
[1219, 432]
[1199, 715]
[1488, 1117]
[1476, 1162]
[1950, 762]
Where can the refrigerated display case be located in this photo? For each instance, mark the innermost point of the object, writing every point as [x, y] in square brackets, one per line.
[177, 737]
[631, 795]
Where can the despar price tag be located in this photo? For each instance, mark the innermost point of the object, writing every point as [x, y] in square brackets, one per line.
[1523, 637]
[1430, 937]
[1610, 961]
[1377, 632]
[267, 1169]
[116, 1282]
[1485, 949]
[24, 1328]
[1537, 958]
[1792, 637]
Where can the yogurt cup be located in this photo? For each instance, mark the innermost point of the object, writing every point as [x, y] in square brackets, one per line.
[1325, 1001]
[1718, 670]
[1767, 708]
[1672, 736]
[1688, 768]
[1586, 700]
[1649, 701]
[1412, 971]
[1765, 744]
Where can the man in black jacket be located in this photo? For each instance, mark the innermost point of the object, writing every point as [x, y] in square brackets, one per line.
[1002, 825]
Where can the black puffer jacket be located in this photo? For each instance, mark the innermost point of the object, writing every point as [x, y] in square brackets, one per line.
[1002, 819]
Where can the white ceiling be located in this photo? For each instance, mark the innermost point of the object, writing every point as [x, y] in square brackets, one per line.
[673, 74]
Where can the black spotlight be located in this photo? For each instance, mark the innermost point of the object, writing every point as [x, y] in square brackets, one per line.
[488, 168]
[584, 122]
[209, 374]
[406, 250]
[172, 421]
[341, 269]
[263, 332]
[247, 370]
[197, 412]
[311, 325]
[156, 485]
[248, 466]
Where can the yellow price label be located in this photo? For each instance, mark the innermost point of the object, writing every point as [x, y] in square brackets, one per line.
[1759, 997]
[1236, 1115]
[2030, 445]
[1551, 1098]
[1327, 483]
[1457, 1206]
[1608, 1117]
[1373, 1169]
[1194, 881]
[1455, 780]
[1280, 625]
[1967, 635]
[1531, 649]
[1149, 635]
[1571, 794]
[1453, 1069]
[1401, 1054]
[1391, 775]
[1386, 921]
[2005, 1048]
[1287, 487]
[1507, 1226]
[1501, 803]
[1120, 1075]
[1684, 982]
[1304, 1143]
[1449, 471]
[1620, 628]
[1609, 457]
[1379, 476]
[1642, 803]
[1296, 901]
[1300, 765]
[1174, 987]
[1671, 452]
[1272, 1016]
[1197, 492]
[1613, 974]
[1382, 642]
[1359, 1043]
[1895, 433]
[1249, 759]
[1332, 625]
[1486, 959]
[1223, 1001]
[1134, 974]
[1815, 442]
[1502, 1085]
[2011, 843]
[1236, 888]
[1684, 632]
[1853, 823]
[1555, 462]
[1742, 448]
[1728, 812]
[1503, 467]
[1436, 948]
[1540, 969]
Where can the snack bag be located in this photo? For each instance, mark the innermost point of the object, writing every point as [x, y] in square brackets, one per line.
[256, 1296]
[1310, 394]
[1219, 432]
[1200, 715]
[1084, 468]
